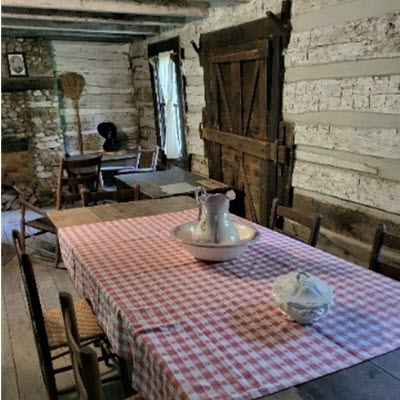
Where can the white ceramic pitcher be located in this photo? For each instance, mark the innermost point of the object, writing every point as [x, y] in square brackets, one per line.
[215, 224]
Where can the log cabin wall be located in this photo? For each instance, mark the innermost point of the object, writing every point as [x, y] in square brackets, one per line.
[342, 95]
[192, 71]
[107, 95]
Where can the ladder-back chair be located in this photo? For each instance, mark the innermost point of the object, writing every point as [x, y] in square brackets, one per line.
[48, 326]
[392, 242]
[84, 359]
[117, 196]
[146, 161]
[280, 213]
[75, 173]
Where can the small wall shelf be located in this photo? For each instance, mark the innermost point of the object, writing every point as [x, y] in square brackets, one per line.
[29, 83]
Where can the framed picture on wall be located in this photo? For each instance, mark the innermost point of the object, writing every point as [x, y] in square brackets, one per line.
[16, 64]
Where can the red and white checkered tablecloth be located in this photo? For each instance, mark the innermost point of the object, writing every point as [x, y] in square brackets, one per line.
[211, 331]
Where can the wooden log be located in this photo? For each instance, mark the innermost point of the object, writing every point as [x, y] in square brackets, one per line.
[109, 6]
[344, 218]
[357, 187]
[369, 38]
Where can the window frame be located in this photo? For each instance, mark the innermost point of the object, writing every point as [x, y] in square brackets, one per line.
[153, 50]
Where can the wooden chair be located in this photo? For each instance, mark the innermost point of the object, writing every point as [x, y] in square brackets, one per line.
[48, 326]
[84, 359]
[75, 173]
[117, 196]
[146, 161]
[279, 213]
[41, 225]
[383, 238]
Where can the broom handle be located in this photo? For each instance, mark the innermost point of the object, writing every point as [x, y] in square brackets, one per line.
[78, 119]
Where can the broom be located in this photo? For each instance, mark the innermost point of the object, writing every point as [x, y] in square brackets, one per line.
[72, 85]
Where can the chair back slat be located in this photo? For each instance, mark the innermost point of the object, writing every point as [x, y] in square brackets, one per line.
[384, 239]
[392, 241]
[38, 325]
[389, 270]
[90, 161]
[147, 159]
[280, 213]
[81, 180]
[118, 196]
[84, 360]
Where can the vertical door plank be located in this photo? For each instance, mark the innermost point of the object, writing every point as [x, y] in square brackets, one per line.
[212, 150]
[274, 117]
[236, 98]
[265, 205]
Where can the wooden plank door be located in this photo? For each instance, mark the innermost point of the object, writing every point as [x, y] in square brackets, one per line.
[241, 123]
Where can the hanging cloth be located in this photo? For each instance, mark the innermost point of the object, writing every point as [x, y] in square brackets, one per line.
[169, 88]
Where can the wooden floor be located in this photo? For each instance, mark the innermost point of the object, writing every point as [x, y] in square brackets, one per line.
[20, 371]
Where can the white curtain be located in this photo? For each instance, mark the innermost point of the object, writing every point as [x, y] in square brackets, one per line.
[169, 87]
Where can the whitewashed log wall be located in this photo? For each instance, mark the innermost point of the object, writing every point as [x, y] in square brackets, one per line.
[342, 93]
[218, 19]
[107, 95]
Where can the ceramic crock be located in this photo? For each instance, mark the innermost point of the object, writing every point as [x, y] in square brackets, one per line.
[302, 297]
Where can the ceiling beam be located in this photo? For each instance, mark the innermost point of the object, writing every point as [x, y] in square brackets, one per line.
[89, 18]
[29, 24]
[80, 30]
[71, 36]
[110, 6]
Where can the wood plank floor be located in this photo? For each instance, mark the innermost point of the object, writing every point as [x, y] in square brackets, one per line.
[20, 370]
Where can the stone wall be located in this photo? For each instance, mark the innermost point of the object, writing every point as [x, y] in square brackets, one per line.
[31, 135]
[36, 52]
[46, 145]
[107, 96]
[218, 19]
[342, 95]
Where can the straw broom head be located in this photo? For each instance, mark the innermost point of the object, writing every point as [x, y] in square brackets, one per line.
[71, 84]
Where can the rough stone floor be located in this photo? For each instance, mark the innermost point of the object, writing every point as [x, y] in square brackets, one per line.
[20, 371]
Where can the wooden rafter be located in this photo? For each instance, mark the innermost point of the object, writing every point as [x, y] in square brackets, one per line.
[89, 18]
[28, 25]
[110, 6]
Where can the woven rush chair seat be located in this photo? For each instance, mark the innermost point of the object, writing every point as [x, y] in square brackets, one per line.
[84, 360]
[87, 324]
[42, 224]
[50, 340]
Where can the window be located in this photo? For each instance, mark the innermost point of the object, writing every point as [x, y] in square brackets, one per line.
[167, 87]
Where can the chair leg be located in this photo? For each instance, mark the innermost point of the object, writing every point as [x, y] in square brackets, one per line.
[124, 372]
[58, 253]
[23, 233]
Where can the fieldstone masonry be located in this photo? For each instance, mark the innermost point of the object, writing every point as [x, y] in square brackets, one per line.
[31, 117]
[37, 55]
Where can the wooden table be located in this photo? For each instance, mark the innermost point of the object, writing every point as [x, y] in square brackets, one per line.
[378, 378]
[110, 212]
[156, 185]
